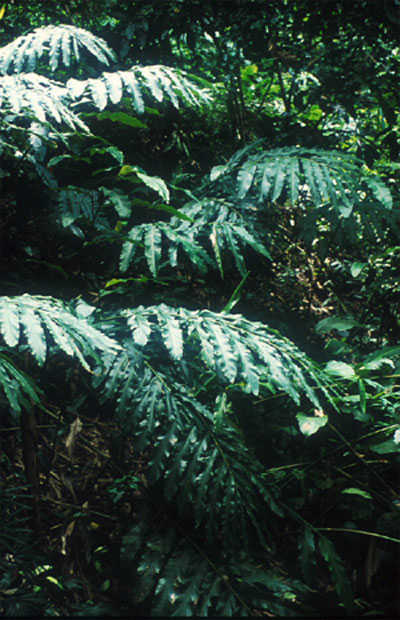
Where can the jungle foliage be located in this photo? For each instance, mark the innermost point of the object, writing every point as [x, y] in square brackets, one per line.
[199, 320]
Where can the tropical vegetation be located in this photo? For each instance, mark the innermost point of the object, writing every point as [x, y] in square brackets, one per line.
[199, 320]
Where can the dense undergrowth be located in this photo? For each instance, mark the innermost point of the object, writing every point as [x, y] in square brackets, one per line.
[199, 321]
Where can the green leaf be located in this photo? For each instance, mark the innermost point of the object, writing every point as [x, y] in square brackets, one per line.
[223, 351]
[337, 323]
[245, 179]
[123, 118]
[110, 150]
[171, 332]
[310, 425]
[130, 246]
[159, 206]
[120, 202]
[235, 297]
[217, 171]
[307, 552]
[152, 247]
[214, 238]
[338, 572]
[9, 322]
[26, 50]
[356, 268]
[340, 369]
[140, 326]
[385, 447]
[84, 309]
[42, 316]
[380, 190]
[363, 395]
[155, 183]
[34, 334]
[19, 389]
[355, 491]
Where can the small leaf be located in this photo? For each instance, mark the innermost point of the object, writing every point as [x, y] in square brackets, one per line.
[152, 247]
[155, 183]
[337, 323]
[9, 322]
[84, 309]
[245, 179]
[355, 491]
[172, 333]
[120, 202]
[356, 268]
[385, 447]
[310, 425]
[159, 206]
[34, 334]
[363, 395]
[217, 171]
[140, 326]
[340, 369]
[123, 118]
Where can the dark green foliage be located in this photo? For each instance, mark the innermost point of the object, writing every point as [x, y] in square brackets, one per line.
[195, 462]
[216, 225]
[177, 578]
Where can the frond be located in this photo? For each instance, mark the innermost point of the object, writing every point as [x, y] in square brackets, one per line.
[214, 229]
[39, 97]
[198, 467]
[62, 43]
[186, 579]
[77, 203]
[205, 468]
[40, 322]
[244, 353]
[156, 81]
[294, 173]
[18, 388]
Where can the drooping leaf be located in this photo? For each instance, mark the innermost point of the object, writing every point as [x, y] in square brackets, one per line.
[19, 388]
[41, 317]
[57, 40]
[120, 202]
[307, 551]
[9, 322]
[338, 572]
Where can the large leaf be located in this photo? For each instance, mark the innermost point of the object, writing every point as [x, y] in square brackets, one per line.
[235, 349]
[62, 42]
[38, 97]
[205, 231]
[154, 81]
[45, 321]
